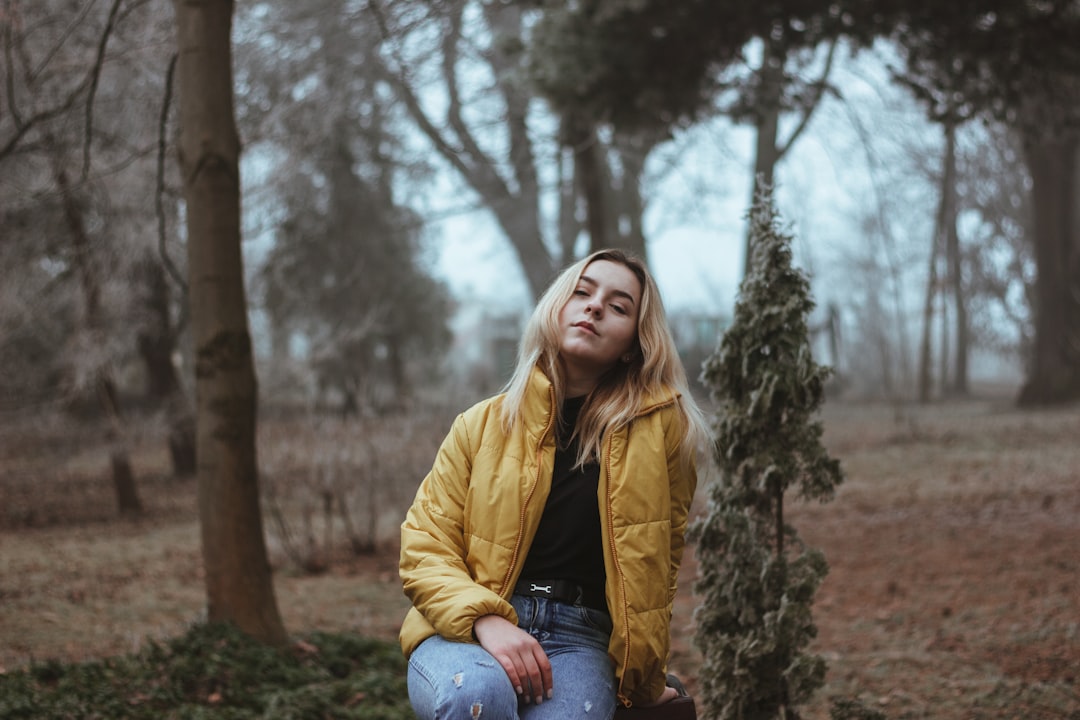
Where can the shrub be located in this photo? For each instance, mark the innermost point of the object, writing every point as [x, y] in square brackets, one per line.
[215, 672]
[756, 577]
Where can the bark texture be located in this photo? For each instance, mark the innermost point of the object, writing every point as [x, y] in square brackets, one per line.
[239, 586]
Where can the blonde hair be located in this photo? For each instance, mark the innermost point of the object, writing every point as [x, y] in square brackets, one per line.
[618, 397]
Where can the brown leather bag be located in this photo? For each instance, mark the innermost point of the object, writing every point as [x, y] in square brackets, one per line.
[681, 708]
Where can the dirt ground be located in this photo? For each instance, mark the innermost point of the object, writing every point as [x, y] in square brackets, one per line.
[953, 545]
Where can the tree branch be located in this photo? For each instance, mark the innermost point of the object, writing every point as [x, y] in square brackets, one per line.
[23, 126]
[95, 76]
[159, 194]
[31, 75]
[476, 169]
[481, 163]
[522, 159]
[819, 89]
[401, 86]
[9, 145]
[9, 76]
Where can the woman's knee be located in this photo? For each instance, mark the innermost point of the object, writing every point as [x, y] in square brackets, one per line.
[459, 682]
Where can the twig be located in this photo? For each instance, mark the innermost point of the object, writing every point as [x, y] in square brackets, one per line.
[95, 76]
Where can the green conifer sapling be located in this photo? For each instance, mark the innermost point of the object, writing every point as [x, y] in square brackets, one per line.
[756, 578]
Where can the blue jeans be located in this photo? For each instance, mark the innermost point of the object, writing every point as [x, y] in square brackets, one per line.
[462, 681]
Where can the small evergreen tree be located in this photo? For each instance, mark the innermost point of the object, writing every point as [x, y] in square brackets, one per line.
[756, 578]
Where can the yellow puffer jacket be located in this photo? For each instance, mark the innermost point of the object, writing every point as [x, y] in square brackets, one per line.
[466, 536]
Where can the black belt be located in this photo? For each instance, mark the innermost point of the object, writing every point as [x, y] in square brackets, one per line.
[563, 591]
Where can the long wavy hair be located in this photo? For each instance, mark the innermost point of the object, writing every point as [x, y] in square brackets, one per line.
[621, 392]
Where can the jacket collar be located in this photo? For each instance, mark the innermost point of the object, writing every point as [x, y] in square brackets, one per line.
[539, 402]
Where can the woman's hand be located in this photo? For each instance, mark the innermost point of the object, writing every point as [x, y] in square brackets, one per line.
[525, 662]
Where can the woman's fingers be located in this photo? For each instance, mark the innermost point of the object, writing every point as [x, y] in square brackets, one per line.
[520, 655]
[537, 672]
[547, 683]
[515, 670]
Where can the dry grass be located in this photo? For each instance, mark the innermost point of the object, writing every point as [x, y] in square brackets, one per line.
[954, 590]
[76, 582]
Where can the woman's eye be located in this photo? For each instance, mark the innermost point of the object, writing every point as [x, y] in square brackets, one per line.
[580, 292]
[619, 309]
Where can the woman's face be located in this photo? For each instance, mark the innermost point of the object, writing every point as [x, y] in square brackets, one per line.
[599, 322]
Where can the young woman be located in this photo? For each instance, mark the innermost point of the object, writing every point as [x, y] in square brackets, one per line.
[542, 551]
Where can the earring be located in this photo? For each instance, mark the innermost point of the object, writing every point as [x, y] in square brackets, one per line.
[627, 357]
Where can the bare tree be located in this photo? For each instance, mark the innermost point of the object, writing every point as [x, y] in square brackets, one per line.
[502, 141]
[239, 586]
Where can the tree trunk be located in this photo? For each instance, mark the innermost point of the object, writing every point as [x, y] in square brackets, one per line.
[959, 385]
[181, 437]
[239, 585]
[630, 209]
[945, 239]
[157, 342]
[943, 354]
[127, 495]
[569, 225]
[766, 152]
[520, 220]
[926, 355]
[155, 339]
[768, 106]
[1054, 370]
[590, 172]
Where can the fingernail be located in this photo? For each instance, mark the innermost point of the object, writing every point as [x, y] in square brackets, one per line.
[550, 694]
[519, 690]
[539, 700]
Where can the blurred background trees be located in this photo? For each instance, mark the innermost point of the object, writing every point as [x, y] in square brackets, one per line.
[1019, 63]
[926, 153]
[343, 277]
[1010, 62]
[77, 221]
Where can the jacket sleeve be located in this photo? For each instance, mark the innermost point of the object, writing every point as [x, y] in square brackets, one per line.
[682, 480]
[682, 475]
[432, 565]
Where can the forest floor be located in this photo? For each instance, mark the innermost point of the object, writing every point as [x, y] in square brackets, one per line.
[953, 546]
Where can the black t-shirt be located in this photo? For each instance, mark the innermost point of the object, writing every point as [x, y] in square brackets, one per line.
[567, 544]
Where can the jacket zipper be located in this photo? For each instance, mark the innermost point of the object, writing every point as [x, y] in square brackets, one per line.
[611, 532]
[528, 498]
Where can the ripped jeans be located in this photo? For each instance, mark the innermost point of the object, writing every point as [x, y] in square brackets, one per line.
[462, 681]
